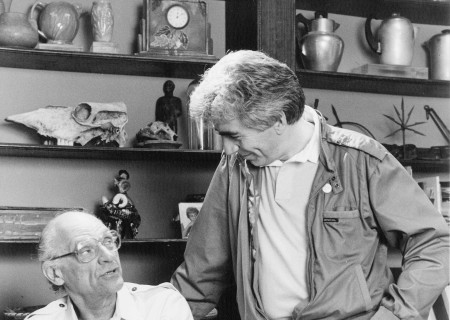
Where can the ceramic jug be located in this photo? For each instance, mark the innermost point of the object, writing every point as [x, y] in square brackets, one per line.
[17, 31]
[395, 41]
[439, 55]
[57, 22]
[320, 49]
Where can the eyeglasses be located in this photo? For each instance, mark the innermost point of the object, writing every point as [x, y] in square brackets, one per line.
[87, 250]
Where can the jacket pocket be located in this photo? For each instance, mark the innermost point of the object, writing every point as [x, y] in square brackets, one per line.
[342, 234]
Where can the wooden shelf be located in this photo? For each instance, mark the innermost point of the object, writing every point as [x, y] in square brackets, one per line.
[418, 11]
[106, 153]
[170, 67]
[373, 84]
[427, 165]
[124, 242]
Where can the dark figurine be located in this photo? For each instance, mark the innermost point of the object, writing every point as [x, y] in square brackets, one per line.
[120, 214]
[168, 107]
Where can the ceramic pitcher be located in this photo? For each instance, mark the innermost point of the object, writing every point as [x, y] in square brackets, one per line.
[17, 31]
[57, 22]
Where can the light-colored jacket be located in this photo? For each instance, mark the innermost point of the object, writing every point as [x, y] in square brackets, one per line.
[374, 204]
[134, 302]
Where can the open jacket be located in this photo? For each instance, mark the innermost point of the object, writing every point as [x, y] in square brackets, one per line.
[374, 204]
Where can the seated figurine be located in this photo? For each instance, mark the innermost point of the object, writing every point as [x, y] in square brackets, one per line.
[119, 213]
[79, 257]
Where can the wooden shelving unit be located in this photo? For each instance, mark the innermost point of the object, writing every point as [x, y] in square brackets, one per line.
[106, 153]
[86, 62]
[124, 242]
[418, 11]
[374, 84]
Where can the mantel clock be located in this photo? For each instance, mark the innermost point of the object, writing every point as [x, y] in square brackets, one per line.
[175, 28]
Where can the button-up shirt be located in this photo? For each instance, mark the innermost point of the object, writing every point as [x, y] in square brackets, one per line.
[134, 302]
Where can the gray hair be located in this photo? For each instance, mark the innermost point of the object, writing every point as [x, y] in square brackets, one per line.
[249, 86]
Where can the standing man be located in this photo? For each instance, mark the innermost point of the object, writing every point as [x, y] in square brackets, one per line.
[79, 258]
[302, 213]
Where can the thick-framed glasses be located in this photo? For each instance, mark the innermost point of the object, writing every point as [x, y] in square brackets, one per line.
[88, 249]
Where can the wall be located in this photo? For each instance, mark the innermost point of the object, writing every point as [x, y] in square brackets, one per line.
[66, 182]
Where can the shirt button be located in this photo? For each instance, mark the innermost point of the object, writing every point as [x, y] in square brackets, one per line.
[133, 289]
[61, 305]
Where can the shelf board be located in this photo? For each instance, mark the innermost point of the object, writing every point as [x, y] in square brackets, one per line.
[170, 67]
[427, 165]
[418, 11]
[106, 153]
[373, 84]
[124, 242]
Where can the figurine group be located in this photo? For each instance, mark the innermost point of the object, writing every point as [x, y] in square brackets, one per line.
[119, 213]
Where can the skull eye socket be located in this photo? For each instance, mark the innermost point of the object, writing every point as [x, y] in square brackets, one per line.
[82, 112]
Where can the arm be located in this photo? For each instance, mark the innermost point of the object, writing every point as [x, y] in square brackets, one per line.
[206, 271]
[410, 222]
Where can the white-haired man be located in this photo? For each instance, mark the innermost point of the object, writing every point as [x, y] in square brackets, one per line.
[79, 255]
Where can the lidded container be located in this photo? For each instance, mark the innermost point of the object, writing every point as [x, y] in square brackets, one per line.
[320, 49]
[439, 55]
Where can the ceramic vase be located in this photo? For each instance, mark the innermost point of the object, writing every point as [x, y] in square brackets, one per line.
[16, 30]
[102, 19]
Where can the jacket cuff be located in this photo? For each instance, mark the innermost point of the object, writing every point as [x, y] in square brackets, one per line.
[384, 314]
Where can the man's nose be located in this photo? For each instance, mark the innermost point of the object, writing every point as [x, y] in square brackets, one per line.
[106, 255]
[229, 146]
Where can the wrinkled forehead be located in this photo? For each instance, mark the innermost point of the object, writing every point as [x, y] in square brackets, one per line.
[76, 229]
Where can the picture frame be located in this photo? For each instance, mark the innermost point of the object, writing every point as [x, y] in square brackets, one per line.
[188, 212]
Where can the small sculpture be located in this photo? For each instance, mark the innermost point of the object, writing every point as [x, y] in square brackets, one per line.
[87, 124]
[120, 214]
[403, 123]
[168, 107]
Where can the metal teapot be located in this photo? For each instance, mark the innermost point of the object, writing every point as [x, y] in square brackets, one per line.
[57, 22]
[320, 49]
[395, 43]
[439, 55]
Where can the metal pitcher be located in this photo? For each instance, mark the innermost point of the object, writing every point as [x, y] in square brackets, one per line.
[439, 55]
[395, 43]
[320, 49]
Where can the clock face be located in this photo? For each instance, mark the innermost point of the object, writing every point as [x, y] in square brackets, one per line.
[177, 17]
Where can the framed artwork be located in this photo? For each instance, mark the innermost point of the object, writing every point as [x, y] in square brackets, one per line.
[188, 214]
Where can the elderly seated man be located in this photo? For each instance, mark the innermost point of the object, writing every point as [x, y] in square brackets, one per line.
[79, 256]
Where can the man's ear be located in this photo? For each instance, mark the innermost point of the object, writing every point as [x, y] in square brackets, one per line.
[53, 273]
[280, 125]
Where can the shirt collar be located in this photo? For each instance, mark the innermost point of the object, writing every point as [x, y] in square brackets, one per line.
[311, 151]
[126, 308]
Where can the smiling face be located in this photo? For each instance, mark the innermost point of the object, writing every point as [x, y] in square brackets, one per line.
[97, 279]
[259, 147]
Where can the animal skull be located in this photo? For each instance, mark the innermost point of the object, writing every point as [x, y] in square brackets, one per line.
[103, 122]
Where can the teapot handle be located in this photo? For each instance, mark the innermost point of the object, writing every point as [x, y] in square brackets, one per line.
[299, 18]
[371, 41]
[33, 17]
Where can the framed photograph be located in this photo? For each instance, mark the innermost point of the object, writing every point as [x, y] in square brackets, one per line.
[188, 214]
